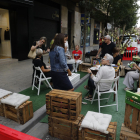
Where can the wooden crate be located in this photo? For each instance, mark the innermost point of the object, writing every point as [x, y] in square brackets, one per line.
[84, 66]
[64, 129]
[64, 104]
[21, 115]
[134, 125]
[127, 134]
[87, 134]
[1, 106]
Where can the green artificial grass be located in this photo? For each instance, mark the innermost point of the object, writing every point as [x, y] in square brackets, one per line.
[82, 74]
[39, 101]
[116, 116]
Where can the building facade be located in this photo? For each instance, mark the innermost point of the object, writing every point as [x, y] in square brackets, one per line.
[24, 21]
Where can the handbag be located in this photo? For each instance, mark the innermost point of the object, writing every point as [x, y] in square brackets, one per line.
[32, 54]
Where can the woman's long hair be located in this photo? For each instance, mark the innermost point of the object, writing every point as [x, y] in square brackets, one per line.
[59, 41]
[44, 38]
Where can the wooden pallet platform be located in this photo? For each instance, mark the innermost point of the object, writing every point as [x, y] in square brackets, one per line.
[84, 66]
[64, 104]
[64, 129]
[127, 134]
[21, 115]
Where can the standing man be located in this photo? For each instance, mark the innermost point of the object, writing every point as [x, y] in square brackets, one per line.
[106, 47]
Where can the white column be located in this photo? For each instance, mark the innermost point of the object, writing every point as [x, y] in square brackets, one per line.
[64, 19]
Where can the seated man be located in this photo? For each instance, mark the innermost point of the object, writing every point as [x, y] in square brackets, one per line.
[130, 77]
[39, 63]
[106, 71]
[77, 55]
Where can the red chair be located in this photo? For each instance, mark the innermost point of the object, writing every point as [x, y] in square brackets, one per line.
[130, 52]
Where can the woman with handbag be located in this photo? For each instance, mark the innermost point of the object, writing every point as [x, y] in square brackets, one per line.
[59, 68]
[42, 43]
[38, 45]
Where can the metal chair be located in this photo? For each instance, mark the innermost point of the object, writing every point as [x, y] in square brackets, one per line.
[40, 78]
[113, 89]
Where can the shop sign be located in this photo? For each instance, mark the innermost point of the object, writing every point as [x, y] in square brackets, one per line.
[55, 15]
[82, 19]
[109, 26]
[28, 2]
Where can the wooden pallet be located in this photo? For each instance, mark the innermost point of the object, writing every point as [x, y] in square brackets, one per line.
[64, 129]
[87, 134]
[21, 115]
[64, 104]
[127, 134]
[134, 125]
[1, 106]
[84, 66]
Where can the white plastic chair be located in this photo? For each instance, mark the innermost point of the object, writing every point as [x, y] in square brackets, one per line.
[113, 89]
[42, 78]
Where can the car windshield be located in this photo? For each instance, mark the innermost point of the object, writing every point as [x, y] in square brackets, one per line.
[127, 37]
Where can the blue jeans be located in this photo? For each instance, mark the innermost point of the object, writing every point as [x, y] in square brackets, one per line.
[91, 86]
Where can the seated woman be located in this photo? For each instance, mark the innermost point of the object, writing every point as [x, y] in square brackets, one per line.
[106, 71]
[130, 77]
[117, 57]
[39, 63]
[77, 55]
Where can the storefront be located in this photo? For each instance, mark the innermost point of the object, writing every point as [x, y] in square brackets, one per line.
[96, 33]
[88, 29]
[25, 21]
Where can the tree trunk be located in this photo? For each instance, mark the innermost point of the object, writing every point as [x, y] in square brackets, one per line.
[84, 45]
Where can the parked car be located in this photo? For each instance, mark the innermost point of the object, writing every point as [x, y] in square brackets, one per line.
[132, 42]
[138, 41]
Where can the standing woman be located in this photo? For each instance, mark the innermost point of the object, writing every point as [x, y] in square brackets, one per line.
[52, 41]
[42, 43]
[39, 45]
[59, 66]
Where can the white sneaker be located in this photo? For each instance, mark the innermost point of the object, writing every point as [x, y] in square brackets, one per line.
[127, 89]
[76, 71]
[73, 70]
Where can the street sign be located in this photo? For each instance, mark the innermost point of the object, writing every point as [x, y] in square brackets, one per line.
[109, 26]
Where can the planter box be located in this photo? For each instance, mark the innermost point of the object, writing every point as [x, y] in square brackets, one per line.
[127, 134]
[64, 104]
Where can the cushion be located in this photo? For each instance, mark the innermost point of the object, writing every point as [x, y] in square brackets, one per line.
[15, 100]
[96, 121]
[4, 93]
[74, 78]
